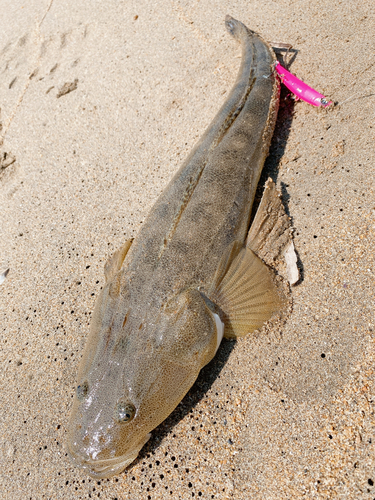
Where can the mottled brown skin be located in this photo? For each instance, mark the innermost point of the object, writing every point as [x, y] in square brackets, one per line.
[153, 328]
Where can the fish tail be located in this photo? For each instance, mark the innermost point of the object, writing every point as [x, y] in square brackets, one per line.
[236, 28]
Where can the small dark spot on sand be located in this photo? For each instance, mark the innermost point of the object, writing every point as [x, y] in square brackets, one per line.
[12, 82]
[6, 159]
[67, 87]
[22, 41]
[33, 74]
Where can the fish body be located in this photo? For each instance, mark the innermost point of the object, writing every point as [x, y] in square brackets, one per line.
[187, 278]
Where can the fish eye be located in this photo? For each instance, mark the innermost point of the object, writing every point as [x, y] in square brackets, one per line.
[82, 391]
[124, 412]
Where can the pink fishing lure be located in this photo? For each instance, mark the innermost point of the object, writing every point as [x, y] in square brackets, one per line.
[300, 89]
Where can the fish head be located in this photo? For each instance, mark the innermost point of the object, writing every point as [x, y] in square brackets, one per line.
[133, 373]
[105, 431]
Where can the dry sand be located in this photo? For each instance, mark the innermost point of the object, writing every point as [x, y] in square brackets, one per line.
[285, 414]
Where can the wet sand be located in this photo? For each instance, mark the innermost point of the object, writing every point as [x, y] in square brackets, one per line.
[100, 104]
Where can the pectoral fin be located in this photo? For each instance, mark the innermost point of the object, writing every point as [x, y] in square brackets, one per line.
[270, 235]
[244, 289]
[192, 331]
[114, 263]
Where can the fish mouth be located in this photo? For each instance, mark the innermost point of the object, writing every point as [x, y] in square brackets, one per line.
[100, 469]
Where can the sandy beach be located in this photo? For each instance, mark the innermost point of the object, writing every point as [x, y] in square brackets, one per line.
[100, 103]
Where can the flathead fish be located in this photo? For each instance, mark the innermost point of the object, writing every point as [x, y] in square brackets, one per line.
[190, 277]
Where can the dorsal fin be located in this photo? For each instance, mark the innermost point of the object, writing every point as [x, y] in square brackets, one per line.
[271, 236]
[114, 263]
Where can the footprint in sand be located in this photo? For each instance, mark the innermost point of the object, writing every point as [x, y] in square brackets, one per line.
[49, 60]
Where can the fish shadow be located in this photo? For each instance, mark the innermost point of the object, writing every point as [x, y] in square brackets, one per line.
[278, 143]
[196, 393]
